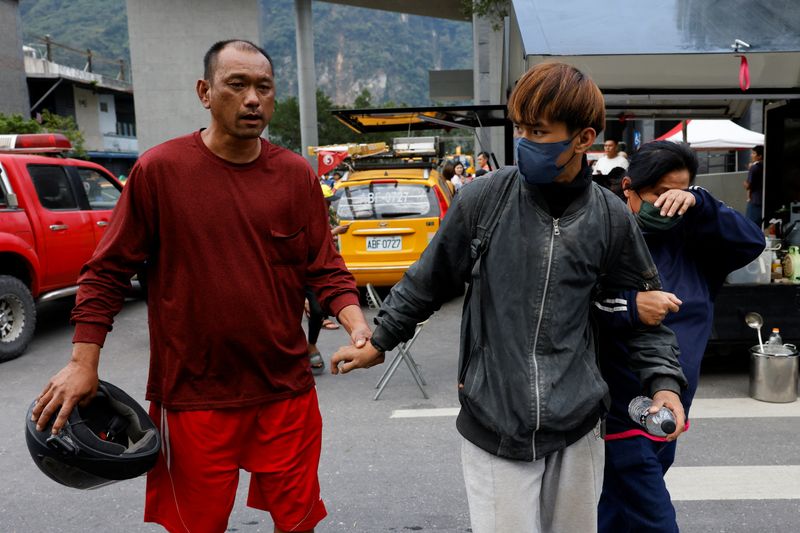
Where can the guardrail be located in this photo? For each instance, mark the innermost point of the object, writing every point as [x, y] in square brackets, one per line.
[91, 57]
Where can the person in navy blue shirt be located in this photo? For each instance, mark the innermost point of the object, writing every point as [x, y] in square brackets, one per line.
[695, 241]
[754, 184]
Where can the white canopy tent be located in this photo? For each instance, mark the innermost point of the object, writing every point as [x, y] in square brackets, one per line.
[714, 135]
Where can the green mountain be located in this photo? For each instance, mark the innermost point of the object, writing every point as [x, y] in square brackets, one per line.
[389, 54]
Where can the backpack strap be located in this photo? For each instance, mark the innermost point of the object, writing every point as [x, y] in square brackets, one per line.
[492, 201]
[491, 204]
[617, 230]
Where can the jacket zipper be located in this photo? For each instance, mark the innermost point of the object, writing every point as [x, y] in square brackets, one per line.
[553, 235]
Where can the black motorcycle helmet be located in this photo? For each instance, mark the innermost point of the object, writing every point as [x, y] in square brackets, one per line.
[110, 439]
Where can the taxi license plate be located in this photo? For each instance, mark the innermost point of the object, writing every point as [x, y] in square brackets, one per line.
[384, 243]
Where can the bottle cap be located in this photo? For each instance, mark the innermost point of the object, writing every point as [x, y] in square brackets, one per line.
[668, 426]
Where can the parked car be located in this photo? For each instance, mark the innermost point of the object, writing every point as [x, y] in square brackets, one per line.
[53, 212]
[393, 206]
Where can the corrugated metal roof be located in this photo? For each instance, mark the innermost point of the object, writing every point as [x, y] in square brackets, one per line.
[626, 27]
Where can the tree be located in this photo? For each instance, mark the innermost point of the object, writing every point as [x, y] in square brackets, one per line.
[494, 10]
[284, 128]
[48, 123]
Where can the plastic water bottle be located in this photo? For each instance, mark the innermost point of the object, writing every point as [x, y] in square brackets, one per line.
[659, 424]
[775, 338]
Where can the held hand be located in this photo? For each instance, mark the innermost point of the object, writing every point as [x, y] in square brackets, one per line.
[670, 400]
[338, 230]
[653, 306]
[675, 201]
[73, 384]
[360, 335]
[354, 357]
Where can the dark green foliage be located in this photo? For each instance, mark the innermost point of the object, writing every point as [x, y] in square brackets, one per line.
[101, 25]
[284, 128]
[388, 54]
[495, 10]
[50, 123]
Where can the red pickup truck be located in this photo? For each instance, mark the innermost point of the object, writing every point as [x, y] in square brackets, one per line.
[53, 211]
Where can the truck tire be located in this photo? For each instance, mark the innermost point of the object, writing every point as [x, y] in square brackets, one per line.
[17, 317]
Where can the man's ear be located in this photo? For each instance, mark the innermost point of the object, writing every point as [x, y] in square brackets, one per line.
[586, 139]
[202, 88]
[626, 186]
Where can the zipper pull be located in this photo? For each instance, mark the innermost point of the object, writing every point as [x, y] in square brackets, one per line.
[556, 231]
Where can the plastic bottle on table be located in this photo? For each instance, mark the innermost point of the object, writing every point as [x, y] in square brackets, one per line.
[659, 424]
[775, 337]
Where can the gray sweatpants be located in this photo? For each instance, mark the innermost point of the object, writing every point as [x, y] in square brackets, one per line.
[557, 494]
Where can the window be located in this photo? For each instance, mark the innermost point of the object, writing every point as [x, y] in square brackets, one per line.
[104, 107]
[3, 195]
[52, 187]
[387, 200]
[100, 191]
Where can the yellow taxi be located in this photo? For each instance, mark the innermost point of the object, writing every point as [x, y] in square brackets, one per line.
[393, 208]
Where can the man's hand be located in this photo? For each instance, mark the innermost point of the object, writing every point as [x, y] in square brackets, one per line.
[338, 230]
[75, 383]
[670, 400]
[355, 324]
[653, 306]
[355, 357]
[675, 201]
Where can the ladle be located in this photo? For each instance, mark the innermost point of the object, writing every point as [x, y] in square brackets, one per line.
[755, 321]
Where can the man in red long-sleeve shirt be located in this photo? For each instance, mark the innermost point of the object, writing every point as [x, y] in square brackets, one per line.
[232, 228]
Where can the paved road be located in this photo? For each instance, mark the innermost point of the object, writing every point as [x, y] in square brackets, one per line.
[393, 465]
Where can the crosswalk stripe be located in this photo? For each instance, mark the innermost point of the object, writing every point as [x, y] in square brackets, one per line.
[701, 408]
[741, 408]
[774, 482]
[425, 413]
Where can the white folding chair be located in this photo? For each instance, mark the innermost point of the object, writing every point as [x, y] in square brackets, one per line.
[403, 351]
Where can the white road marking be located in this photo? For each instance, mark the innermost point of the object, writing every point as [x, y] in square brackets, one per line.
[779, 482]
[701, 408]
[425, 413]
[741, 408]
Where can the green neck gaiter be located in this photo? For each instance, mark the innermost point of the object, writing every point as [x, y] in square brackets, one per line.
[650, 219]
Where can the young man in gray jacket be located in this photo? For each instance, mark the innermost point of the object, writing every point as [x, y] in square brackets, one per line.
[530, 390]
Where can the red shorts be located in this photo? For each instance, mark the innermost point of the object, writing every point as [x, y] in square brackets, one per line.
[192, 487]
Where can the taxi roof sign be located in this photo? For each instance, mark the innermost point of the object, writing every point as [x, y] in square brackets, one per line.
[353, 150]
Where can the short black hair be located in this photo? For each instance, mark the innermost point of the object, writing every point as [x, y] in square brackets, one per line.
[486, 155]
[657, 158]
[612, 139]
[210, 59]
[759, 150]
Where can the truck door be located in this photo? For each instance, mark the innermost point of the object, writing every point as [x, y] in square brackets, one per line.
[102, 193]
[66, 231]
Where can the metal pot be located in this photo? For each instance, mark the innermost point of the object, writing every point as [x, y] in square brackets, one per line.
[774, 375]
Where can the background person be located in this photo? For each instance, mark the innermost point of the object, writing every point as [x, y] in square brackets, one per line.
[611, 158]
[695, 241]
[460, 178]
[449, 174]
[754, 185]
[484, 162]
[530, 390]
[229, 382]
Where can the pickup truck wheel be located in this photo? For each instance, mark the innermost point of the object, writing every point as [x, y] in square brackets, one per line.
[17, 317]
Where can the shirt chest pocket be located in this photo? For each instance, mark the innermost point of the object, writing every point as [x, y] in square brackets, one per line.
[288, 249]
